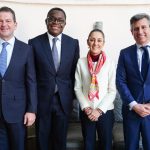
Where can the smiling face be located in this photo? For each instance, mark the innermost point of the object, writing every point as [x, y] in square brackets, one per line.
[95, 42]
[55, 22]
[141, 31]
[7, 25]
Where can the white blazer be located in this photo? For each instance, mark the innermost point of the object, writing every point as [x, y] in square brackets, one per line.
[106, 81]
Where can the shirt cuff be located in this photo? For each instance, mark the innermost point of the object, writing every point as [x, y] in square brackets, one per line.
[132, 104]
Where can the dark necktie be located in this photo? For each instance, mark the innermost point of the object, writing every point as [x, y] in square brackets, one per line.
[55, 53]
[145, 62]
[3, 59]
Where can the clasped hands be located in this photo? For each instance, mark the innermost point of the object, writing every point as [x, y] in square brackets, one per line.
[93, 114]
[142, 109]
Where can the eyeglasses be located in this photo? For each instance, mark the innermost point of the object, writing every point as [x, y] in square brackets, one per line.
[53, 20]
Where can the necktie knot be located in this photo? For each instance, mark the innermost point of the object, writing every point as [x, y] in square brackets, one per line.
[4, 45]
[144, 48]
[54, 40]
[145, 55]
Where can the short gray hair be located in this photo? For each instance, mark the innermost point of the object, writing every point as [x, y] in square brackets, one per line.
[138, 17]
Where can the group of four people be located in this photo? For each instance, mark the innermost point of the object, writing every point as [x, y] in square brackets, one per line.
[39, 80]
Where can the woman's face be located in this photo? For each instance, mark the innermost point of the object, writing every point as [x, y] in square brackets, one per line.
[95, 42]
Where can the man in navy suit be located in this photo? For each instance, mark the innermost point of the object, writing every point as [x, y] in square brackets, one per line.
[133, 83]
[18, 101]
[55, 84]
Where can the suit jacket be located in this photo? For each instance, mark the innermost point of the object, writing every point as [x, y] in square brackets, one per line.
[130, 84]
[106, 81]
[47, 77]
[18, 85]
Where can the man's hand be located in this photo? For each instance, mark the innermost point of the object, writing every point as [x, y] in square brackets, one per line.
[142, 109]
[147, 107]
[29, 118]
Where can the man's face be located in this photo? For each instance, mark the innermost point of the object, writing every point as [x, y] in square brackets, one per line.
[141, 31]
[7, 25]
[55, 22]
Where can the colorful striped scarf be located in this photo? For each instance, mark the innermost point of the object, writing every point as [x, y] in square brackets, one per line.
[94, 88]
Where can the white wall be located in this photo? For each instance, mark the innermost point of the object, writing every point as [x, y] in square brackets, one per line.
[80, 20]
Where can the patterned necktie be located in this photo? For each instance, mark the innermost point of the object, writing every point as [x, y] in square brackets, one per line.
[145, 62]
[55, 53]
[3, 58]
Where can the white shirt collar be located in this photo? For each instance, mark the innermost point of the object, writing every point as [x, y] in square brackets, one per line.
[138, 45]
[11, 41]
[51, 37]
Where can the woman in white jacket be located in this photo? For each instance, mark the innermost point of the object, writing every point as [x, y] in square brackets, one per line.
[95, 90]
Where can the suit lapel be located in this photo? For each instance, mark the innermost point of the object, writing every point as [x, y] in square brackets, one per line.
[64, 52]
[13, 59]
[47, 51]
[134, 58]
[148, 72]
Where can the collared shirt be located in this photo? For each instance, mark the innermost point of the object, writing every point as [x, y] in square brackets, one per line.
[9, 48]
[139, 58]
[58, 44]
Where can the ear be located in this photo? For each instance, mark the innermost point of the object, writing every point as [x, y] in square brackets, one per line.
[87, 41]
[46, 21]
[131, 31]
[15, 25]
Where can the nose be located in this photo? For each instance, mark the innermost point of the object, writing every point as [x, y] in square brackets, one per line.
[95, 42]
[140, 30]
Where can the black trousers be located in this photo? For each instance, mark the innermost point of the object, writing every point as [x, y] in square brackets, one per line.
[52, 129]
[102, 128]
[12, 135]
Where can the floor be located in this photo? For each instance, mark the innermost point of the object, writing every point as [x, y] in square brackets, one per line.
[74, 138]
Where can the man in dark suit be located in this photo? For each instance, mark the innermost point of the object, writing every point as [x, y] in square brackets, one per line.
[133, 83]
[18, 101]
[55, 80]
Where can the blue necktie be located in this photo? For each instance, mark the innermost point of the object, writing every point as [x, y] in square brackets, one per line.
[55, 53]
[145, 62]
[3, 59]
